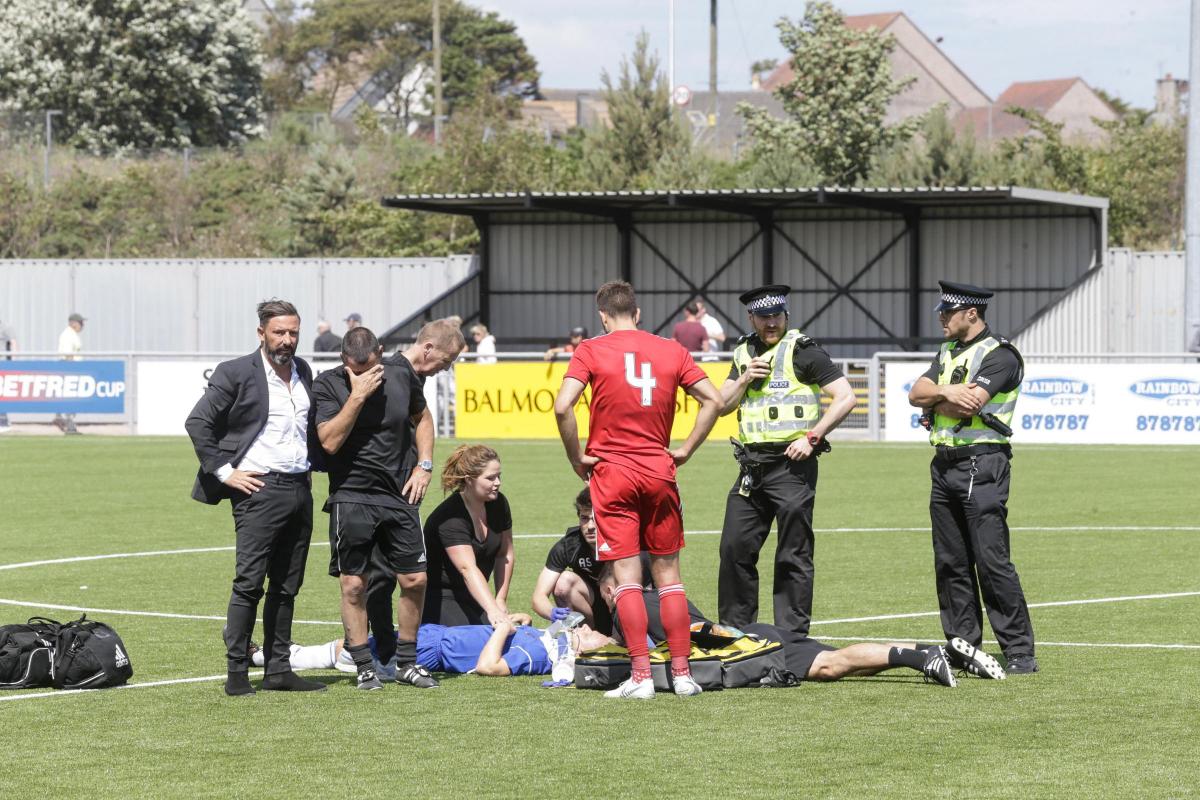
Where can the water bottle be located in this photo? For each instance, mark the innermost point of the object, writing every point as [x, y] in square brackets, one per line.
[570, 621]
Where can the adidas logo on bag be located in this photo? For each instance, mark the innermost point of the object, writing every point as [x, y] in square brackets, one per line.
[122, 660]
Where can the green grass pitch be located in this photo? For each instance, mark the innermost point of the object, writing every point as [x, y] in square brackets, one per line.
[1099, 721]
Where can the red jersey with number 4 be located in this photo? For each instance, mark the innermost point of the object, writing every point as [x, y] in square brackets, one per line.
[634, 376]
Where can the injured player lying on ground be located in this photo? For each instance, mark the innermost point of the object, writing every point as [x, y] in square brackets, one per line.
[517, 648]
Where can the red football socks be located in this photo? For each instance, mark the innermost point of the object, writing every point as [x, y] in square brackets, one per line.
[631, 610]
[677, 624]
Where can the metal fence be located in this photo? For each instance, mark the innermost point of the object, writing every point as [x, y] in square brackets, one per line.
[1133, 304]
[207, 306]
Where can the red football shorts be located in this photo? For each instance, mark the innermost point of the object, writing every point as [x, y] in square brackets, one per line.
[634, 512]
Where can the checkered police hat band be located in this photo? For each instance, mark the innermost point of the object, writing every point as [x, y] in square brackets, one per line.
[962, 300]
[766, 301]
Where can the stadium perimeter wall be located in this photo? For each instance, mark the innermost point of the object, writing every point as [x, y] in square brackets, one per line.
[1134, 304]
[207, 306]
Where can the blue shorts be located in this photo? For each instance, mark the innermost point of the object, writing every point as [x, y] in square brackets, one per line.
[442, 648]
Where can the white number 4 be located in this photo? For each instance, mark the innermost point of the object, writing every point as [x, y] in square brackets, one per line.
[646, 381]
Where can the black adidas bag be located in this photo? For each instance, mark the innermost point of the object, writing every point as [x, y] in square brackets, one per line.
[27, 654]
[89, 655]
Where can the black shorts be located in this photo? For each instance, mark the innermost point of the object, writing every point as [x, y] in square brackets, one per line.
[799, 651]
[355, 529]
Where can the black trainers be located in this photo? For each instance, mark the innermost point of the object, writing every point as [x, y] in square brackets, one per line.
[937, 668]
[1022, 665]
[368, 681]
[238, 683]
[418, 676]
[290, 682]
[966, 656]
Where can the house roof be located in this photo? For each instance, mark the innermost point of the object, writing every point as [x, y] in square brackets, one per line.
[1039, 95]
[922, 49]
[785, 74]
[863, 21]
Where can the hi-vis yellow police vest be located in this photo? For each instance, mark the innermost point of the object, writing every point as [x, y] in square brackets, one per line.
[781, 408]
[1001, 405]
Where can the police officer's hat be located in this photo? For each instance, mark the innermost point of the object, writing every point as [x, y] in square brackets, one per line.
[962, 295]
[766, 300]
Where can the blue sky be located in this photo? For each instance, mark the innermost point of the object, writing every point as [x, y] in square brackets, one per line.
[1115, 45]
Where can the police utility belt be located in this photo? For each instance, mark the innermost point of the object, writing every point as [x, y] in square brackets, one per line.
[754, 459]
[947, 452]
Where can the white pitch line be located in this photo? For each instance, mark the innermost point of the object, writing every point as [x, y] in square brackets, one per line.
[147, 685]
[921, 529]
[1050, 604]
[876, 618]
[128, 613]
[1040, 643]
[75, 559]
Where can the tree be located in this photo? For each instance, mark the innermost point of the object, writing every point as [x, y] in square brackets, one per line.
[136, 73]
[643, 128]
[837, 101]
[391, 43]
[935, 156]
[483, 53]
[1141, 171]
[341, 44]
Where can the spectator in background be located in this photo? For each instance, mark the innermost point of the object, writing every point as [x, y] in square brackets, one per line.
[485, 344]
[690, 333]
[353, 320]
[8, 344]
[70, 344]
[577, 335]
[716, 333]
[327, 341]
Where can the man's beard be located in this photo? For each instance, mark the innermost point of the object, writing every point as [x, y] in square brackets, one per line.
[281, 356]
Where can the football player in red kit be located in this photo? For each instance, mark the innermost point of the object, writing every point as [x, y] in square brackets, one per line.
[634, 376]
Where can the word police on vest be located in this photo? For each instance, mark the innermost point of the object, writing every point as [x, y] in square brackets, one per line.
[34, 386]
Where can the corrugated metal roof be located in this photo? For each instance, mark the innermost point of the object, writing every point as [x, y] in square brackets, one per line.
[762, 199]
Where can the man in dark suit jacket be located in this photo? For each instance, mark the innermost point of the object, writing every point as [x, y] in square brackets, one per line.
[254, 434]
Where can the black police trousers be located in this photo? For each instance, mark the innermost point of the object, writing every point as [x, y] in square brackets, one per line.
[786, 494]
[274, 528]
[971, 551]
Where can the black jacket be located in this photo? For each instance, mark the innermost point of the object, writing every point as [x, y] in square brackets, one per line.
[230, 415]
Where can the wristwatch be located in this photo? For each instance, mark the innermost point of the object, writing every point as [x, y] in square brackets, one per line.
[426, 465]
[813, 438]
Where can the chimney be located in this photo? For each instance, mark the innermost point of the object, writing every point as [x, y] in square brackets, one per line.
[1166, 98]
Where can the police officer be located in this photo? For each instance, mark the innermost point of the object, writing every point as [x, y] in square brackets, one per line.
[775, 384]
[969, 394]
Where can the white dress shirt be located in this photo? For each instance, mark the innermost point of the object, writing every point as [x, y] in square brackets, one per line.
[282, 444]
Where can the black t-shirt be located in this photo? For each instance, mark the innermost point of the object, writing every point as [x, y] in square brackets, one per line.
[449, 525]
[573, 552]
[367, 467]
[812, 364]
[409, 462]
[999, 372]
